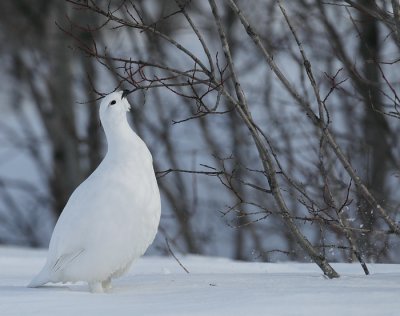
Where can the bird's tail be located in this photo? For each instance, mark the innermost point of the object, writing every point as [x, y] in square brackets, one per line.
[41, 279]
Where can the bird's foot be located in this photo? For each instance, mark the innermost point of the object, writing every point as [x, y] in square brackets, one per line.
[106, 284]
[95, 287]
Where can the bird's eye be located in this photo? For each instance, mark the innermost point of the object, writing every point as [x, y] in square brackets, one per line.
[113, 102]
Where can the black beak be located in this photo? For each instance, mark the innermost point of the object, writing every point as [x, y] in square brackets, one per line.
[125, 93]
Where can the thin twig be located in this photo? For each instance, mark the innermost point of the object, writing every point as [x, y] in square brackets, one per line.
[173, 255]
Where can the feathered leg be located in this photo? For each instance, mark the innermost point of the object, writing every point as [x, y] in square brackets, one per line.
[106, 284]
[95, 287]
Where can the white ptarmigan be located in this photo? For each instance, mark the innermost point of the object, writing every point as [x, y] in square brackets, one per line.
[112, 217]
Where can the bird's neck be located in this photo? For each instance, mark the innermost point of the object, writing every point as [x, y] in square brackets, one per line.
[121, 139]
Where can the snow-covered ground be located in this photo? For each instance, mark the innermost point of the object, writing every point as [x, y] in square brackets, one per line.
[215, 286]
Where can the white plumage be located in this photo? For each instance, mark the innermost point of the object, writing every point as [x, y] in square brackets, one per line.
[112, 217]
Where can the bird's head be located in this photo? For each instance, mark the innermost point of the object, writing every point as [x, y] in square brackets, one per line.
[114, 106]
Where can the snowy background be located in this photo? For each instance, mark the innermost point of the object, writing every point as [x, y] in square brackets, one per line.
[214, 286]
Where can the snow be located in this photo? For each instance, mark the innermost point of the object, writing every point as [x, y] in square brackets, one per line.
[215, 286]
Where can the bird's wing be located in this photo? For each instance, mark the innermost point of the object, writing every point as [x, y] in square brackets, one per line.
[66, 259]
